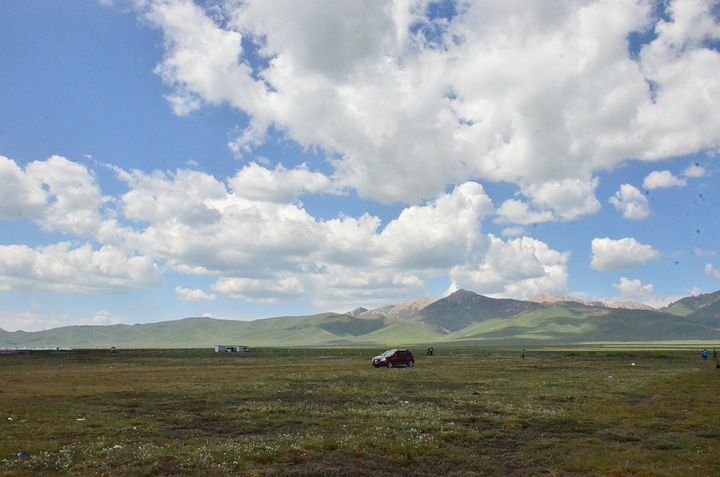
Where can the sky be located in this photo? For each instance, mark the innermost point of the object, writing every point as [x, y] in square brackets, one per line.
[161, 159]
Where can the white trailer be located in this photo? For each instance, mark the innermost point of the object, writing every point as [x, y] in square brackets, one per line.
[231, 349]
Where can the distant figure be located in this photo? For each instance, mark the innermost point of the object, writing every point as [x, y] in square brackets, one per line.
[714, 354]
[522, 355]
[704, 355]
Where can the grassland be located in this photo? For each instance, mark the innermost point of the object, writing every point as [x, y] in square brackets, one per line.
[464, 411]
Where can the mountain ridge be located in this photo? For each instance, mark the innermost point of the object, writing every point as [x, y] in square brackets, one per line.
[463, 317]
[551, 298]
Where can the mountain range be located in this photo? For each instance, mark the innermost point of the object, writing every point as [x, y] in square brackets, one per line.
[462, 318]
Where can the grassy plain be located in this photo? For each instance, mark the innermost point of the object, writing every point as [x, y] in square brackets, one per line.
[272, 412]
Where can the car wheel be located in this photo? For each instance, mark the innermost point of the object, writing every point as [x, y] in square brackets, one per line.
[389, 365]
[411, 364]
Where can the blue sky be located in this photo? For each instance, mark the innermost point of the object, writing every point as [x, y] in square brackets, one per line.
[240, 160]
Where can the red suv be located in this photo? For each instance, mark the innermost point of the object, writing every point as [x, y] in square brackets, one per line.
[394, 357]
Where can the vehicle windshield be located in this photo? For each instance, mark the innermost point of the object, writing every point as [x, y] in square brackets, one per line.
[388, 353]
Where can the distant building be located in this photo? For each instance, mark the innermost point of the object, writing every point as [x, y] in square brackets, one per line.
[231, 349]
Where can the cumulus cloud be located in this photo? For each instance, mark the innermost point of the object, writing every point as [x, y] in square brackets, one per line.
[518, 212]
[37, 320]
[61, 195]
[698, 252]
[269, 249]
[253, 235]
[711, 271]
[180, 197]
[63, 267]
[75, 197]
[609, 254]
[58, 194]
[32, 321]
[519, 268]
[631, 202]
[513, 232]
[694, 171]
[569, 199]
[280, 184]
[201, 60]
[439, 234]
[22, 196]
[564, 200]
[104, 318]
[662, 179]
[633, 289]
[261, 291]
[186, 294]
[536, 94]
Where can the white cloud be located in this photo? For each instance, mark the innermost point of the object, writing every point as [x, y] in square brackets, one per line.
[37, 320]
[279, 185]
[65, 268]
[340, 287]
[200, 227]
[711, 271]
[186, 294]
[32, 321]
[252, 136]
[268, 249]
[103, 318]
[685, 75]
[662, 179]
[22, 196]
[518, 212]
[570, 199]
[75, 198]
[631, 202]
[611, 254]
[633, 289]
[284, 288]
[202, 59]
[437, 235]
[180, 197]
[520, 268]
[59, 195]
[694, 171]
[513, 232]
[530, 94]
[258, 241]
[564, 200]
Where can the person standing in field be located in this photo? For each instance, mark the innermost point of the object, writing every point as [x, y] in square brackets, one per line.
[522, 355]
[714, 354]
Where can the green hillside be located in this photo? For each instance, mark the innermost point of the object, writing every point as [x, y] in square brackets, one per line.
[686, 306]
[463, 308]
[708, 315]
[679, 309]
[402, 334]
[461, 318]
